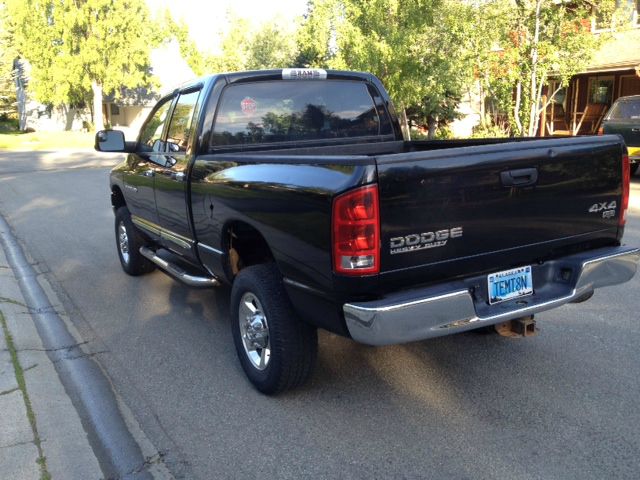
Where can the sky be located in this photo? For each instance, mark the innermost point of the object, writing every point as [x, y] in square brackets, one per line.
[207, 18]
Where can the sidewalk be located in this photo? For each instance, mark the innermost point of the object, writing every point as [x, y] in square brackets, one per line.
[41, 434]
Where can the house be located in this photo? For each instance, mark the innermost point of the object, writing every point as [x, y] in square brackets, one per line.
[613, 72]
[33, 115]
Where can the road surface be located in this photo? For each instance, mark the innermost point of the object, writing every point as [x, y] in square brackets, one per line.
[563, 404]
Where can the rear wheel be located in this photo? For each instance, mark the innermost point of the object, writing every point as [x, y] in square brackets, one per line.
[128, 242]
[277, 351]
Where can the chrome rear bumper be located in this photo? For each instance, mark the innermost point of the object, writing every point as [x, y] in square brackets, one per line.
[460, 305]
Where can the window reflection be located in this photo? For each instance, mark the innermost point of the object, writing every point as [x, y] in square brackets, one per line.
[182, 123]
[151, 137]
[268, 112]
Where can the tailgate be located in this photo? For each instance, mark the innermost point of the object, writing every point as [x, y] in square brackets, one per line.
[470, 209]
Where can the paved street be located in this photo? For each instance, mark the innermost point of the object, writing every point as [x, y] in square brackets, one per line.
[563, 404]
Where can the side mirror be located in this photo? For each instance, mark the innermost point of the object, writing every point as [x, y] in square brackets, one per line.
[110, 141]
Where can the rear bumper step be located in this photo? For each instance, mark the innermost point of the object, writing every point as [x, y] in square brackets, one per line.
[178, 272]
[461, 305]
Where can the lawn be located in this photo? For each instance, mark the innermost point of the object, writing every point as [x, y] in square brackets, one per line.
[18, 141]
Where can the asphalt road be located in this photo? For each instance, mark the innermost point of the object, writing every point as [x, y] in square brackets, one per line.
[563, 404]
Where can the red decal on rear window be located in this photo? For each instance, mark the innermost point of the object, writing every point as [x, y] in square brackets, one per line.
[248, 105]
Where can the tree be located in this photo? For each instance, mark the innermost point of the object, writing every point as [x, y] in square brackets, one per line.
[613, 14]
[180, 32]
[444, 66]
[416, 47]
[317, 36]
[80, 49]
[243, 47]
[540, 39]
[488, 27]
[234, 49]
[272, 46]
[7, 56]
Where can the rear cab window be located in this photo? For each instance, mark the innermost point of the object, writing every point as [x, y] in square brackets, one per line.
[270, 112]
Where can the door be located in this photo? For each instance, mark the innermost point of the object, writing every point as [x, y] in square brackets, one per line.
[171, 177]
[139, 177]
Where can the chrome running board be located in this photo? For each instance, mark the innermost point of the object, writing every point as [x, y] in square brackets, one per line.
[177, 272]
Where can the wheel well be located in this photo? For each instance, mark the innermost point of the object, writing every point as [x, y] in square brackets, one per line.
[246, 247]
[117, 198]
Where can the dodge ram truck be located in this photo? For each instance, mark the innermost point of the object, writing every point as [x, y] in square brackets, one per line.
[296, 188]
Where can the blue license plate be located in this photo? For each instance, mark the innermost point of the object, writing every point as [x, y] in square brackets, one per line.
[509, 284]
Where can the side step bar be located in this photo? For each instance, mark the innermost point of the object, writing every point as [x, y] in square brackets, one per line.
[177, 272]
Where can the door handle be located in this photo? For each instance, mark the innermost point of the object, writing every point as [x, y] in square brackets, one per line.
[149, 173]
[635, 130]
[522, 177]
[179, 176]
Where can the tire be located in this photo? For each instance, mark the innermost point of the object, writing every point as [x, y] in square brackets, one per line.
[277, 351]
[128, 243]
[634, 168]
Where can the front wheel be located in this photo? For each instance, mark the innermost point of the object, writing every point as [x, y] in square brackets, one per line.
[277, 351]
[128, 243]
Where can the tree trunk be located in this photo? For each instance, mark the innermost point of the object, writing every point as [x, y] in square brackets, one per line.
[405, 125]
[533, 97]
[98, 123]
[540, 104]
[432, 123]
[543, 117]
[482, 96]
[516, 109]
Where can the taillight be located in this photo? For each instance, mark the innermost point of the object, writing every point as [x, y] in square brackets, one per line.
[626, 180]
[356, 232]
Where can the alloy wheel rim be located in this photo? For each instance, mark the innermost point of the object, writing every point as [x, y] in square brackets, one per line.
[254, 331]
[123, 242]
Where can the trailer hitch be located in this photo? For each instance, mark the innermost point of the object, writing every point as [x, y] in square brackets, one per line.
[518, 327]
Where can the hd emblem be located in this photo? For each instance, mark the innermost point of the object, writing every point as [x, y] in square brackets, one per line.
[423, 241]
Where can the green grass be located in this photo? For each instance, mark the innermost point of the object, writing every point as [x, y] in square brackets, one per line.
[19, 372]
[8, 124]
[19, 141]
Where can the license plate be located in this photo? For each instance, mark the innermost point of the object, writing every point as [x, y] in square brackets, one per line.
[508, 284]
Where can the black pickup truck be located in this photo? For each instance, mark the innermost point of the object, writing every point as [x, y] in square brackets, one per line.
[296, 188]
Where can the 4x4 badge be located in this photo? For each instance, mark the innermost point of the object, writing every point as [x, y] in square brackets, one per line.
[608, 209]
[598, 207]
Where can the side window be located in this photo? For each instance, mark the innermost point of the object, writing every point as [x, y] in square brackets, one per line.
[181, 123]
[151, 137]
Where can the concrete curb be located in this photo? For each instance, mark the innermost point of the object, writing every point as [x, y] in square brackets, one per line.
[79, 423]
[59, 432]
